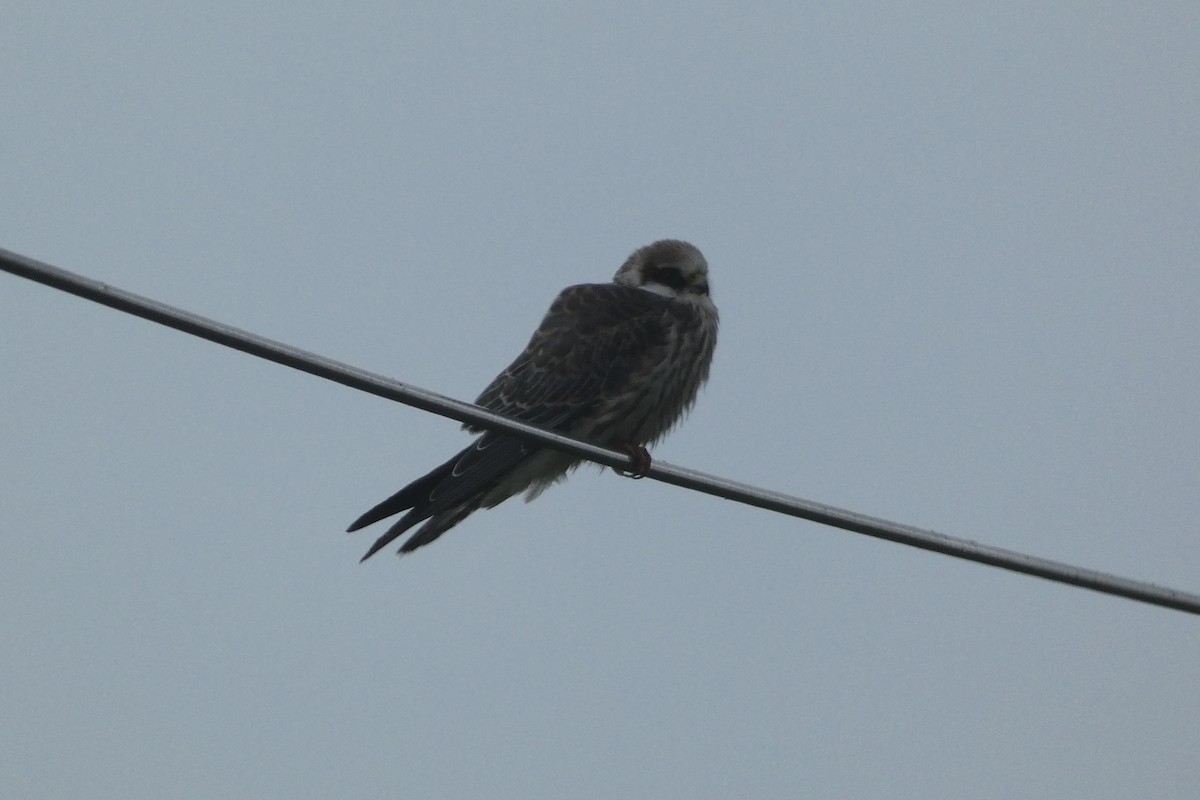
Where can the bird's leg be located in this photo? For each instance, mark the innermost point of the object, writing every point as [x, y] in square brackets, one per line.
[640, 458]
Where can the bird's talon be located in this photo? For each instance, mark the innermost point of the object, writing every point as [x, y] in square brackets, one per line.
[641, 462]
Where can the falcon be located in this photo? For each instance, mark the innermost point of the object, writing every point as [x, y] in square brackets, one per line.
[614, 364]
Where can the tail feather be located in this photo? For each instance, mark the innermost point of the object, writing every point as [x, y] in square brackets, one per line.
[411, 496]
[438, 524]
[397, 530]
[448, 494]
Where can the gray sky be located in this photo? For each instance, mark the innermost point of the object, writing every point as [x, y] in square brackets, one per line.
[955, 253]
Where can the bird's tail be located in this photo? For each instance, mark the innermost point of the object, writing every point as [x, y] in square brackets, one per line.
[448, 494]
[417, 500]
[412, 496]
[438, 524]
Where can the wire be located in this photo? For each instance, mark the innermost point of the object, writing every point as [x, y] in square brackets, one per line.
[679, 476]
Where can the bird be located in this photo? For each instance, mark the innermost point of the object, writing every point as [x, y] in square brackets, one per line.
[615, 364]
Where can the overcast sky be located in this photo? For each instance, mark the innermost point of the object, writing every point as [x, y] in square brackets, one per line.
[956, 251]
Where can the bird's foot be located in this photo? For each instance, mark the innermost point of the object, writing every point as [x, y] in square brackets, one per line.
[639, 459]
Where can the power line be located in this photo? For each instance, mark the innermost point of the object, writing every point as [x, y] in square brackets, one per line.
[679, 476]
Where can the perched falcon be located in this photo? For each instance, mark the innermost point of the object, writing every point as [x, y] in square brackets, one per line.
[615, 364]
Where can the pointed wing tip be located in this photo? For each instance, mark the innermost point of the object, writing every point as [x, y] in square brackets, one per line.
[369, 518]
[393, 533]
[375, 548]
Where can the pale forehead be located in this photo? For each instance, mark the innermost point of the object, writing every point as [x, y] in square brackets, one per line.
[674, 253]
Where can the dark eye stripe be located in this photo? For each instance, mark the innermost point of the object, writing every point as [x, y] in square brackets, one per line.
[667, 276]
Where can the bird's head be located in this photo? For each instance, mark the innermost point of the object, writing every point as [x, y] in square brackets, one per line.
[667, 267]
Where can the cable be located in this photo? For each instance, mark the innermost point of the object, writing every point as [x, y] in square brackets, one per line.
[679, 476]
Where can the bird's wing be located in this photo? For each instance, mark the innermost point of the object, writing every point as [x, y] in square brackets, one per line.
[590, 343]
[591, 340]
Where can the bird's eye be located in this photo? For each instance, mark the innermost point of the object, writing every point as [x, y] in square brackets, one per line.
[670, 277]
